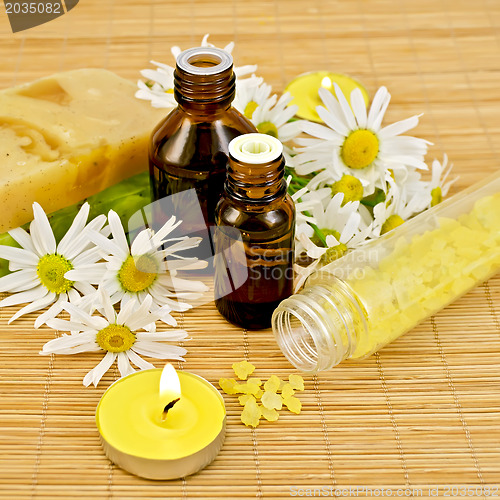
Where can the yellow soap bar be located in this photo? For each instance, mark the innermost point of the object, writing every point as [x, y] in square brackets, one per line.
[68, 136]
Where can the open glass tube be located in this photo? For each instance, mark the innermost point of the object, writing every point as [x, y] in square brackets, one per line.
[361, 302]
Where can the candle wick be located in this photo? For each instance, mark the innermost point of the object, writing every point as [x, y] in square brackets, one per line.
[168, 407]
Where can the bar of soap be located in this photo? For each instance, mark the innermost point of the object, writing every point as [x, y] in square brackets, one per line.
[68, 136]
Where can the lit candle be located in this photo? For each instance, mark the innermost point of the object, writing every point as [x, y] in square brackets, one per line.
[161, 425]
[304, 90]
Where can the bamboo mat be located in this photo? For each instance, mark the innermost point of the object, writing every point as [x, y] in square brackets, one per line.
[425, 411]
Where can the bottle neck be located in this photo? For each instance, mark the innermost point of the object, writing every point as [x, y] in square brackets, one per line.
[256, 183]
[321, 326]
[204, 93]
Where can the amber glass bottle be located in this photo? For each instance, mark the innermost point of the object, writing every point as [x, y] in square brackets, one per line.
[255, 233]
[189, 147]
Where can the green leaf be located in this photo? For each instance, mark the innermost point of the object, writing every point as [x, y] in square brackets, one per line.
[125, 198]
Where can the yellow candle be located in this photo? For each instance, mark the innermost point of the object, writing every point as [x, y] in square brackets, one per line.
[304, 90]
[140, 438]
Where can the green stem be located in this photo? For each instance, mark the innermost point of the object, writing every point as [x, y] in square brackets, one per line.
[318, 231]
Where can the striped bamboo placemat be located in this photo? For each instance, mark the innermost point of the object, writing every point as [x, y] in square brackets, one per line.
[422, 413]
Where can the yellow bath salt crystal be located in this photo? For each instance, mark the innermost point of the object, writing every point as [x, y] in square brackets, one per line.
[270, 415]
[296, 382]
[245, 398]
[423, 275]
[259, 393]
[255, 380]
[273, 384]
[287, 391]
[293, 404]
[282, 384]
[228, 385]
[251, 413]
[248, 388]
[272, 400]
[243, 369]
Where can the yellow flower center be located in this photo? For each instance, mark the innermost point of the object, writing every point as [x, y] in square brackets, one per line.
[391, 222]
[115, 338]
[268, 128]
[51, 270]
[437, 196]
[350, 186]
[332, 253]
[360, 149]
[250, 108]
[137, 273]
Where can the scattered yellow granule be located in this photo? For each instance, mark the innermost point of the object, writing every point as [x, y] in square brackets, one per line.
[293, 404]
[263, 402]
[296, 382]
[270, 415]
[243, 369]
[243, 399]
[272, 400]
[287, 391]
[251, 413]
[255, 381]
[229, 385]
[273, 384]
[249, 388]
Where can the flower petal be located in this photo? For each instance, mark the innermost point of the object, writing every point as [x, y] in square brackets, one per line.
[95, 375]
[157, 350]
[118, 232]
[52, 312]
[41, 227]
[124, 365]
[138, 361]
[23, 297]
[15, 281]
[34, 306]
[23, 238]
[68, 342]
[19, 255]
[76, 227]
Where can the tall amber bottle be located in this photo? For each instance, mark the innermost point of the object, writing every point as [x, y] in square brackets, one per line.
[255, 233]
[189, 148]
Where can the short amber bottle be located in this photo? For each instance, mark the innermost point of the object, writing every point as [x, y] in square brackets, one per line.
[189, 147]
[254, 239]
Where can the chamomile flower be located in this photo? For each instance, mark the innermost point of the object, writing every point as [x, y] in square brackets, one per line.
[251, 93]
[353, 142]
[115, 334]
[269, 114]
[160, 87]
[398, 208]
[341, 228]
[438, 186]
[146, 268]
[40, 265]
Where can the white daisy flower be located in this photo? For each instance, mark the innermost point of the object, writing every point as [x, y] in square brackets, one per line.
[438, 186]
[160, 89]
[40, 265]
[269, 114]
[353, 142]
[115, 334]
[399, 207]
[251, 93]
[146, 268]
[341, 228]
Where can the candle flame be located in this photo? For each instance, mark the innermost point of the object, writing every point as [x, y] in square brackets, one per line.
[326, 82]
[170, 385]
